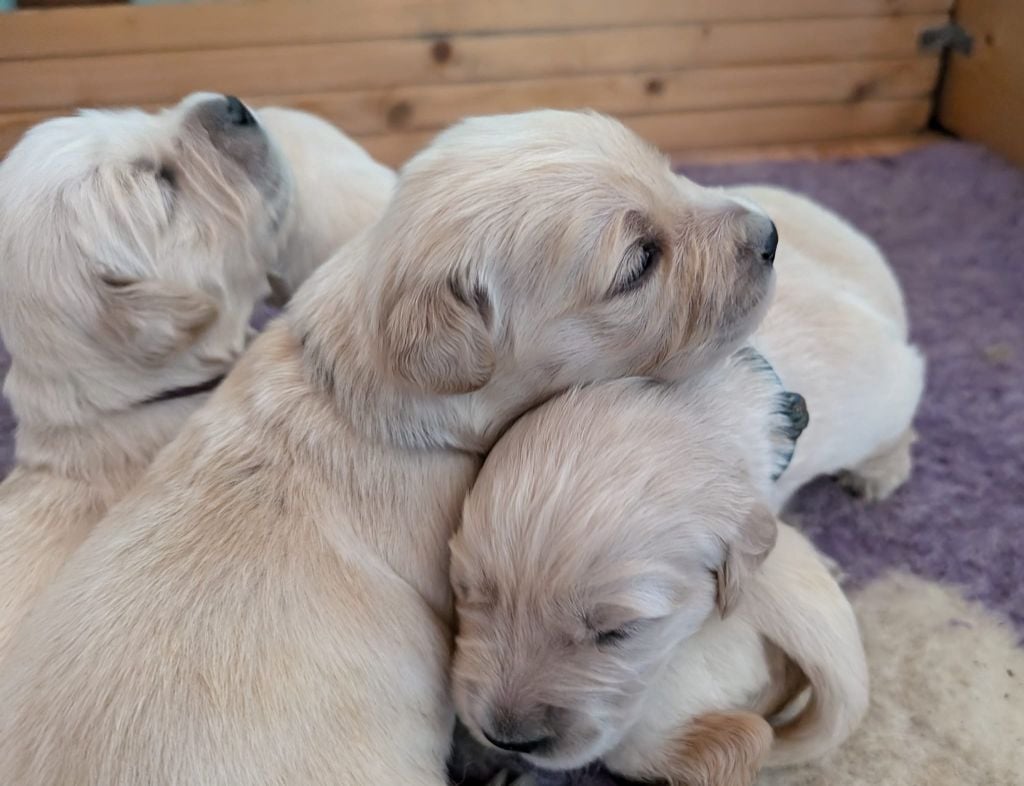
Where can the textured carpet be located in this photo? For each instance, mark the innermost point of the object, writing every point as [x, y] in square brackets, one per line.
[948, 706]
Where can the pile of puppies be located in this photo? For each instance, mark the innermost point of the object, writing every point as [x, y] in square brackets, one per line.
[225, 566]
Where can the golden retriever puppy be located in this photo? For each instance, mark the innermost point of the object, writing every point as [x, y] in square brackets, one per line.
[338, 190]
[837, 332]
[611, 596]
[133, 248]
[270, 604]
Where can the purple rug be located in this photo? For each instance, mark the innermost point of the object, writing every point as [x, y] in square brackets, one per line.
[950, 217]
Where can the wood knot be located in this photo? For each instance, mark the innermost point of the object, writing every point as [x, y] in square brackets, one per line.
[399, 114]
[654, 86]
[862, 90]
[441, 51]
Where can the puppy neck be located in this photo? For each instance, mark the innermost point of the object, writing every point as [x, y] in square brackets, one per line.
[335, 318]
[108, 451]
[112, 411]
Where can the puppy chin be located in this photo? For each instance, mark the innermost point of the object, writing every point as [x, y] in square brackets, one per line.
[572, 751]
[744, 318]
[277, 185]
[750, 314]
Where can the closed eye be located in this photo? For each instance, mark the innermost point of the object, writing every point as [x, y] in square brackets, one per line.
[641, 261]
[609, 637]
[615, 636]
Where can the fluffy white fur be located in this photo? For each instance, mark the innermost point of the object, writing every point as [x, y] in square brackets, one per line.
[837, 333]
[610, 599]
[270, 603]
[133, 248]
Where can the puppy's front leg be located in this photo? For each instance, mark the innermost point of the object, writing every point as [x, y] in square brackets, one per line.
[879, 476]
[718, 749]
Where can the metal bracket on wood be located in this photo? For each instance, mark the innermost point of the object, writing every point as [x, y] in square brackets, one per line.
[948, 36]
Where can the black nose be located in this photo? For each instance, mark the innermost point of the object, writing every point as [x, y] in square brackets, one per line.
[770, 245]
[238, 113]
[518, 746]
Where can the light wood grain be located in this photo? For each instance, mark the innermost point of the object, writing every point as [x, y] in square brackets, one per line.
[435, 106]
[163, 77]
[687, 74]
[983, 93]
[121, 30]
[705, 130]
[430, 107]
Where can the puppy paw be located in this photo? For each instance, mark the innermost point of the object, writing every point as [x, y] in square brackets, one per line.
[785, 411]
[883, 473]
[789, 421]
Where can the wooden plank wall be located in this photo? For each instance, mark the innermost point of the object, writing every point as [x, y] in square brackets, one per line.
[983, 92]
[687, 74]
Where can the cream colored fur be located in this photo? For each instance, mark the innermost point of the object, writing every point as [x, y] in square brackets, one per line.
[270, 604]
[837, 333]
[610, 512]
[339, 190]
[133, 248]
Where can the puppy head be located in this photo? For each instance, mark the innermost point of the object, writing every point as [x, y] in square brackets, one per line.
[549, 248]
[605, 527]
[133, 248]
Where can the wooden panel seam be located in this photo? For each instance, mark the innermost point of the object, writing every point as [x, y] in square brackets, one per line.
[983, 93]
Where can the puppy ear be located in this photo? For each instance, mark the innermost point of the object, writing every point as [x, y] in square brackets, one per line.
[743, 556]
[437, 338]
[280, 291]
[150, 320]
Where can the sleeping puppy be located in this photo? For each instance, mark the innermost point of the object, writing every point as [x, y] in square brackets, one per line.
[271, 604]
[837, 332]
[133, 248]
[611, 596]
